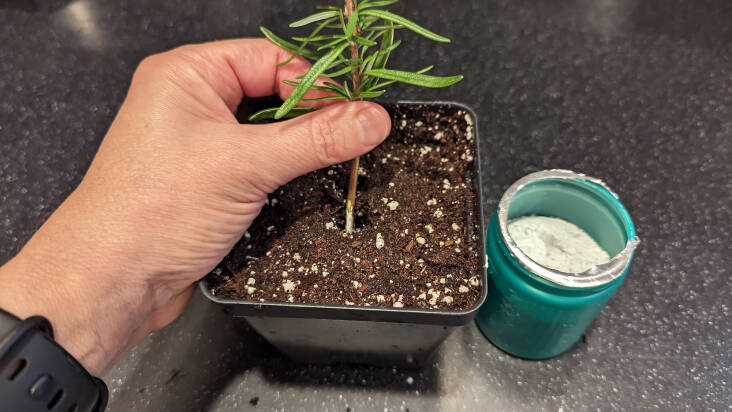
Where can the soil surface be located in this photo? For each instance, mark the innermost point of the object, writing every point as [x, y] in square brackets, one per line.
[416, 243]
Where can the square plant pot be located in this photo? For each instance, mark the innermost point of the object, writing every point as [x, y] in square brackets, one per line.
[324, 333]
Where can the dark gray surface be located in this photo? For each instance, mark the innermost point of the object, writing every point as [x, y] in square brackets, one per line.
[638, 93]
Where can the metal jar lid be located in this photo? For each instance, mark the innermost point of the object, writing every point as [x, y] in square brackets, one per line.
[595, 276]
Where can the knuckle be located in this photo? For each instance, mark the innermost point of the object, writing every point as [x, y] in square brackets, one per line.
[152, 63]
[325, 141]
[188, 53]
[168, 63]
[152, 69]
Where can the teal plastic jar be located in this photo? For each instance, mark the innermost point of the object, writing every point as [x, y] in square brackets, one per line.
[535, 312]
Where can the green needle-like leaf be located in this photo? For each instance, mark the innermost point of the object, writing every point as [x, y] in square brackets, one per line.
[389, 50]
[385, 15]
[372, 4]
[270, 113]
[333, 43]
[380, 57]
[376, 28]
[307, 82]
[323, 15]
[369, 61]
[416, 79]
[328, 88]
[351, 26]
[387, 45]
[340, 72]
[371, 94]
[364, 42]
[307, 40]
[343, 22]
[366, 22]
[348, 91]
[341, 89]
[320, 99]
[286, 45]
[317, 38]
[388, 82]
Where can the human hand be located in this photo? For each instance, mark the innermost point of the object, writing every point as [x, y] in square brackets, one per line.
[174, 185]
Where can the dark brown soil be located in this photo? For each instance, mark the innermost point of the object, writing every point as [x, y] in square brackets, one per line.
[417, 241]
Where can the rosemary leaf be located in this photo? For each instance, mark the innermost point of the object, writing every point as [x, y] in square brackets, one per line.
[287, 45]
[376, 28]
[351, 26]
[363, 41]
[323, 15]
[328, 88]
[308, 40]
[371, 94]
[308, 81]
[320, 99]
[388, 16]
[270, 113]
[386, 83]
[317, 38]
[340, 72]
[370, 4]
[387, 45]
[416, 79]
[333, 43]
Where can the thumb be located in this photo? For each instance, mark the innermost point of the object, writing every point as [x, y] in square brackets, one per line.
[331, 135]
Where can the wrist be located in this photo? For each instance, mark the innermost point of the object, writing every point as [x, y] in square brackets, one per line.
[93, 317]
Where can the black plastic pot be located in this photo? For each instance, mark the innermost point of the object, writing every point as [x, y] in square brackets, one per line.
[361, 334]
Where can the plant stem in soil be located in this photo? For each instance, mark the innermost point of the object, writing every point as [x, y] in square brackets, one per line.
[351, 199]
[353, 181]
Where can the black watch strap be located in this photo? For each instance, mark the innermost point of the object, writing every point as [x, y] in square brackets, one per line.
[37, 374]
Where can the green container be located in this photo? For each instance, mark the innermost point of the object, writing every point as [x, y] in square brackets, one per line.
[535, 312]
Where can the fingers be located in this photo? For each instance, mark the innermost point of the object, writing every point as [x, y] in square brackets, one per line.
[330, 135]
[239, 68]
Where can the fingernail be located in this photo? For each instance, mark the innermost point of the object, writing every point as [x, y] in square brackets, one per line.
[374, 125]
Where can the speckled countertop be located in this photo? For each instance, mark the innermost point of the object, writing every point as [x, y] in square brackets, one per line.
[636, 92]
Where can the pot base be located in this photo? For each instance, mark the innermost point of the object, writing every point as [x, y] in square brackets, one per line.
[351, 341]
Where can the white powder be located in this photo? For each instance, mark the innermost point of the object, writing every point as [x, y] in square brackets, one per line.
[556, 243]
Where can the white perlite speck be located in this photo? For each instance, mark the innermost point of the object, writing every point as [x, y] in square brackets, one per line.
[379, 241]
[288, 285]
[556, 243]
